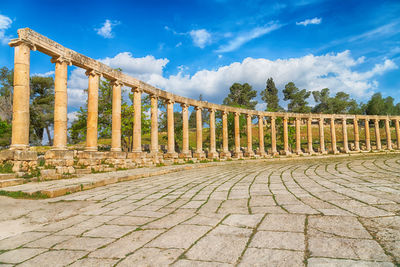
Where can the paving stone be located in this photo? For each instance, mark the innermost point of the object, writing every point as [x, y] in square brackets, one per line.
[20, 255]
[316, 262]
[193, 263]
[19, 240]
[242, 220]
[84, 243]
[54, 258]
[271, 257]
[278, 240]
[115, 231]
[93, 263]
[47, 242]
[283, 222]
[145, 257]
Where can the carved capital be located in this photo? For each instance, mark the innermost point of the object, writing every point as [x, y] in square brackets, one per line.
[60, 59]
[92, 73]
[136, 90]
[248, 115]
[198, 108]
[154, 96]
[212, 110]
[116, 83]
[224, 112]
[184, 106]
[17, 42]
[169, 101]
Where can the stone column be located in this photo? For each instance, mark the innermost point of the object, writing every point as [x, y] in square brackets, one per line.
[345, 139]
[273, 137]
[298, 137]
[60, 104]
[333, 136]
[20, 120]
[154, 124]
[367, 135]
[137, 120]
[170, 128]
[388, 134]
[116, 117]
[285, 136]
[199, 134]
[93, 96]
[377, 135]
[322, 136]
[225, 149]
[185, 132]
[356, 135]
[238, 153]
[261, 146]
[309, 136]
[396, 123]
[249, 152]
[213, 152]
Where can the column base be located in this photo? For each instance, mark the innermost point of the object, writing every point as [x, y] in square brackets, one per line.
[286, 153]
[19, 147]
[213, 155]
[261, 153]
[116, 149]
[170, 155]
[199, 155]
[324, 152]
[237, 155]
[225, 155]
[299, 152]
[249, 154]
[90, 149]
[185, 155]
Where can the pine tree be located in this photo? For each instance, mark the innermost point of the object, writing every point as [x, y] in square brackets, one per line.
[270, 96]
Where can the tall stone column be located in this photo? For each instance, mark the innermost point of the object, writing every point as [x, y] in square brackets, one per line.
[397, 126]
[238, 153]
[137, 120]
[309, 136]
[273, 136]
[185, 132]
[377, 135]
[322, 135]
[20, 120]
[249, 151]
[60, 104]
[285, 136]
[356, 135]
[154, 125]
[170, 129]
[93, 97]
[345, 138]
[388, 134]
[225, 149]
[116, 117]
[367, 135]
[261, 146]
[298, 137]
[333, 136]
[213, 152]
[199, 134]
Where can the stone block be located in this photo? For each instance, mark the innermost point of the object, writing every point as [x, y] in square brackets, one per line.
[48, 173]
[136, 155]
[83, 171]
[20, 155]
[92, 155]
[213, 155]
[59, 154]
[116, 155]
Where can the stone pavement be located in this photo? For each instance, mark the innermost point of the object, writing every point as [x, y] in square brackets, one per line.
[325, 212]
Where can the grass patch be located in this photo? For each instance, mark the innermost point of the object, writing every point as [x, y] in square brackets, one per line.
[6, 167]
[161, 164]
[42, 162]
[190, 162]
[122, 169]
[204, 161]
[23, 195]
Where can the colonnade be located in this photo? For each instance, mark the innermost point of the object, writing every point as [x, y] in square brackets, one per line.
[29, 40]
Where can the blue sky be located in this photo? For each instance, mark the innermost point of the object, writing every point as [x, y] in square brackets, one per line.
[202, 47]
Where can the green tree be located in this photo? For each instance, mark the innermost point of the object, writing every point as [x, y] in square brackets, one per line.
[297, 98]
[204, 115]
[41, 108]
[5, 133]
[6, 91]
[270, 96]
[378, 105]
[341, 103]
[241, 95]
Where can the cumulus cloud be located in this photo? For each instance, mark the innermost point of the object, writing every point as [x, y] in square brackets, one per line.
[200, 38]
[309, 21]
[106, 30]
[333, 70]
[5, 23]
[46, 74]
[245, 37]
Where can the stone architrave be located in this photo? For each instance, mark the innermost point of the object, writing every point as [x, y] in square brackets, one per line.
[92, 117]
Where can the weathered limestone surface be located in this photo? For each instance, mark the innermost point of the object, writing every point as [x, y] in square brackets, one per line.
[338, 211]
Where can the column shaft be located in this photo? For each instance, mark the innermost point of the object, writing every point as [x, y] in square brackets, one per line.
[333, 136]
[60, 105]
[185, 131]
[309, 136]
[213, 152]
[20, 120]
[356, 135]
[367, 135]
[238, 152]
[137, 120]
[225, 144]
[170, 128]
[93, 96]
[261, 146]
[116, 117]
[396, 124]
[199, 133]
[249, 152]
[154, 124]
[285, 136]
[377, 135]
[345, 138]
[273, 136]
[388, 135]
[321, 135]
[298, 137]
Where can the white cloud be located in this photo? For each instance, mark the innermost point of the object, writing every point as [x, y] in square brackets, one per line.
[5, 23]
[46, 74]
[178, 44]
[245, 37]
[309, 21]
[106, 29]
[200, 38]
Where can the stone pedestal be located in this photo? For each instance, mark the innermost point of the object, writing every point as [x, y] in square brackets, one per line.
[22, 160]
[237, 155]
[59, 158]
[225, 155]
[199, 155]
[170, 155]
[213, 155]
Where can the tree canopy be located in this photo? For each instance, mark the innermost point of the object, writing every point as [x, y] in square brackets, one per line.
[241, 95]
[270, 96]
[297, 98]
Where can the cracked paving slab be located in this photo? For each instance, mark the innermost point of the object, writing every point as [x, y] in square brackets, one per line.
[323, 212]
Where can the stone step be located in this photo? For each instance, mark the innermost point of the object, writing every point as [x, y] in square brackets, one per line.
[83, 171]
[6, 176]
[11, 182]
